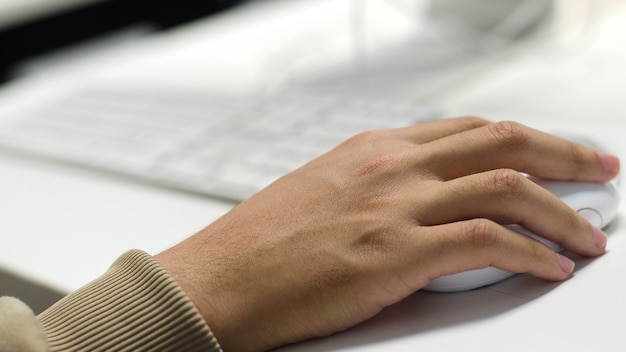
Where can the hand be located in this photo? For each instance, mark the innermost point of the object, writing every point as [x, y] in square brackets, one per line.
[376, 219]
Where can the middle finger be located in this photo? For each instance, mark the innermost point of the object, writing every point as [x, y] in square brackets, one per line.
[507, 197]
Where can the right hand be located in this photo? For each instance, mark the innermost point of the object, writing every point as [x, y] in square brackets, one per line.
[376, 219]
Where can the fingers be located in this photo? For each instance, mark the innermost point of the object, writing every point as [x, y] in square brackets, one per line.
[433, 130]
[514, 146]
[507, 197]
[478, 243]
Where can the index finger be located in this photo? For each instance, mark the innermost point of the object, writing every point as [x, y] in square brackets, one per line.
[432, 130]
[515, 146]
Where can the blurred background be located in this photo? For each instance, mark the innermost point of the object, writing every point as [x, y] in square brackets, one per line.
[415, 49]
[467, 56]
[29, 28]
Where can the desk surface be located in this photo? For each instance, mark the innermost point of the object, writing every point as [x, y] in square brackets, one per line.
[55, 216]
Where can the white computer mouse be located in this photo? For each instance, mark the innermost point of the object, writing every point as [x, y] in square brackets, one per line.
[597, 202]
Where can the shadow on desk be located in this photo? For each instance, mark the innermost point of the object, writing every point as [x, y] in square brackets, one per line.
[427, 311]
[37, 296]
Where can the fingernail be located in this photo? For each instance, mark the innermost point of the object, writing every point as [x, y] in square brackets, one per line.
[599, 238]
[567, 265]
[610, 163]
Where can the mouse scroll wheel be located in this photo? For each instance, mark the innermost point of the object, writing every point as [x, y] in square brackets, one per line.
[592, 216]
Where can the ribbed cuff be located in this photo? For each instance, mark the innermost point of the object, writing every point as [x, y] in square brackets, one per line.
[135, 306]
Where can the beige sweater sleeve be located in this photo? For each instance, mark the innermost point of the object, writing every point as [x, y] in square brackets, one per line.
[135, 306]
[19, 329]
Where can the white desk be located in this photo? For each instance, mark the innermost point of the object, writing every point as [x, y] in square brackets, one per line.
[54, 216]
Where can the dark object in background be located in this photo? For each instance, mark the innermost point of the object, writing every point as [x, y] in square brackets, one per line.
[56, 31]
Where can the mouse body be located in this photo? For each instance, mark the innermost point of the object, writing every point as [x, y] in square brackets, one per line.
[597, 202]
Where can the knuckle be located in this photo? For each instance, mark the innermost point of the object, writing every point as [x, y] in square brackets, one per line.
[509, 134]
[507, 183]
[577, 157]
[481, 233]
[574, 220]
[379, 156]
[367, 138]
[536, 250]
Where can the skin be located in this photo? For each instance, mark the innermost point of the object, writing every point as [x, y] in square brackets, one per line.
[376, 219]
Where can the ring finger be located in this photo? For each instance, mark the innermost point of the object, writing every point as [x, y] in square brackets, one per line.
[507, 197]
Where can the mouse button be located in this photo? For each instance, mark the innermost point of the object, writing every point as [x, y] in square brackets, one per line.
[592, 216]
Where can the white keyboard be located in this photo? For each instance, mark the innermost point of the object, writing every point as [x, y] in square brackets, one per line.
[222, 146]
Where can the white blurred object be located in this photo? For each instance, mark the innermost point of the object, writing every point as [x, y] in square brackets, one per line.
[13, 12]
[228, 146]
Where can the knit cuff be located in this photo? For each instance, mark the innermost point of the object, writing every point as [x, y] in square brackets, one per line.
[135, 306]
